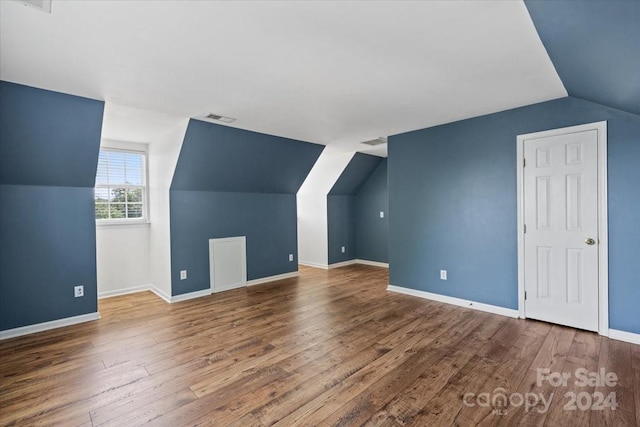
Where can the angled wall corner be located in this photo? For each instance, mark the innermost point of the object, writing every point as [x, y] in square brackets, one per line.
[312, 206]
[232, 182]
[49, 145]
[329, 209]
[163, 158]
[342, 224]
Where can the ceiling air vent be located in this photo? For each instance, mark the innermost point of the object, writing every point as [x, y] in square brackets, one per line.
[377, 141]
[43, 5]
[219, 118]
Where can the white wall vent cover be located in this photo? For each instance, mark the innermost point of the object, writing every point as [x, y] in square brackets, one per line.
[377, 141]
[228, 263]
[43, 5]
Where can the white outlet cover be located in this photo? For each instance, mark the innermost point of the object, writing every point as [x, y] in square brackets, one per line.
[381, 214]
[343, 249]
[78, 291]
[443, 274]
[290, 257]
[183, 274]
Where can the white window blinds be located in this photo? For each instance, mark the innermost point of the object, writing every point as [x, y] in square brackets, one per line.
[120, 190]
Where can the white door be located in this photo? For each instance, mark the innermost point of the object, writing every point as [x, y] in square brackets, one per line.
[561, 229]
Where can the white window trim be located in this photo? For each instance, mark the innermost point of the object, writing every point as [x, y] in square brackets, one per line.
[134, 147]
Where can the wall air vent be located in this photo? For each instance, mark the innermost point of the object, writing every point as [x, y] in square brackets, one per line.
[43, 5]
[377, 141]
[219, 118]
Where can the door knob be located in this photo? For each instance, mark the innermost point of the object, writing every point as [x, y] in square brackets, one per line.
[590, 241]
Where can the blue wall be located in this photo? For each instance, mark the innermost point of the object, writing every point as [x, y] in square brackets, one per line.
[47, 247]
[452, 197]
[49, 144]
[341, 207]
[231, 182]
[341, 228]
[268, 221]
[594, 46]
[372, 232]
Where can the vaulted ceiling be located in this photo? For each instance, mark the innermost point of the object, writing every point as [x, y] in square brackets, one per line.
[595, 47]
[334, 73]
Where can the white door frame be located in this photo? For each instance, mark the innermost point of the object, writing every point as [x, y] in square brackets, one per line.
[603, 246]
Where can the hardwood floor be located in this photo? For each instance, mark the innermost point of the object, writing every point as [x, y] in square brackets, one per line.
[327, 348]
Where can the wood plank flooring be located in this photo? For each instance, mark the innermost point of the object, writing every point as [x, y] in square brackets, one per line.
[329, 348]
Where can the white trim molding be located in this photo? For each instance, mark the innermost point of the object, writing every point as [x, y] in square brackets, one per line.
[125, 291]
[372, 263]
[313, 264]
[133, 290]
[167, 298]
[494, 309]
[272, 278]
[161, 294]
[342, 264]
[624, 336]
[45, 326]
[603, 238]
[190, 295]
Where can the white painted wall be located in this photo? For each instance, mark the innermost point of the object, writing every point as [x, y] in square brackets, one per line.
[163, 157]
[313, 241]
[122, 253]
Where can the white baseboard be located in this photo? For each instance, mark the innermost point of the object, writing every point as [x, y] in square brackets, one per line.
[190, 295]
[45, 326]
[313, 264]
[342, 264]
[624, 336]
[455, 301]
[272, 278]
[373, 263]
[125, 291]
[133, 290]
[160, 293]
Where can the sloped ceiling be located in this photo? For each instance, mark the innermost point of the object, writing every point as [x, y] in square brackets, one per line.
[224, 159]
[328, 72]
[355, 174]
[595, 47]
[48, 138]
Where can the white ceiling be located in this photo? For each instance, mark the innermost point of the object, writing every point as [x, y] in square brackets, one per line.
[123, 123]
[326, 72]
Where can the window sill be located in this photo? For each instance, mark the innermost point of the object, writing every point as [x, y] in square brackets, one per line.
[121, 224]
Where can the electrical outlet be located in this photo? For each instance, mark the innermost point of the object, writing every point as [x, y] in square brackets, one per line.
[78, 291]
[443, 274]
[343, 249]
[381, 214]
[290, 257]
[183, 274]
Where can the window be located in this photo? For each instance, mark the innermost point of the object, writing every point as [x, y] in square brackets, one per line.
[121, 188]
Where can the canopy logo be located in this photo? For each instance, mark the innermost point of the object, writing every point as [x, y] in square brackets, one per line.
[500, 401]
